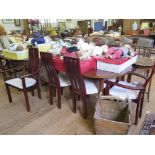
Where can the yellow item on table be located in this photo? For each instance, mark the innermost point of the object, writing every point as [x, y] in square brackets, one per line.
[15, 40]
[52, 31]
[15, 55]
[44, 47]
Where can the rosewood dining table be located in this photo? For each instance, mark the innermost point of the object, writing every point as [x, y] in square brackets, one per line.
[101, 75]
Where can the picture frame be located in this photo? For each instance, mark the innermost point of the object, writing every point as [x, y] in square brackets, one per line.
[8, 21]
[17, 22]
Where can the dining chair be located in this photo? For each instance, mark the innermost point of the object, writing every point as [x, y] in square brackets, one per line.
[144, 51]
[144, 47]
[131, 91]
[56, 81]
[145, 42]
[79, 86]
[27, 82]
[4, 64]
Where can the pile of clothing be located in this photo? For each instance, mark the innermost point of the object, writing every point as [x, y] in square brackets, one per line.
[87, 50]
[58, 46]
[118, 52]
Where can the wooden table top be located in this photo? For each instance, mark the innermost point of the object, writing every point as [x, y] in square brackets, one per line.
[99, 74]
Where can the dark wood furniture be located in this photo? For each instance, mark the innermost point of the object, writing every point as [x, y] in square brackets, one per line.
[144, 64]
[18, 65]
[101, 75]
[141, 88]
[54, 80]
[145, 51]
[26, 82]
[136, 37]
[79, 86]
[85, 26]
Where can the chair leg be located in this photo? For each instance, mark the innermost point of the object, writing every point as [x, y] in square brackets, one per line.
[137, 112]
[147, 73]
[51, 94]
[8, 92]
[84, 100]
[129, 78]
[61, 91]
[148, 94]
[38, 90]
[54, 91]
[74, 102]
[141, 106]
[122, 78]
[78, 97]
[26, 99]
[59, 98]
[32, 92]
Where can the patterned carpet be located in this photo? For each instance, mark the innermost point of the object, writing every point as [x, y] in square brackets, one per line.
[148, 127]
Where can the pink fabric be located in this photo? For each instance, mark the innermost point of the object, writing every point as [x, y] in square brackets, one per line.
[114, 53]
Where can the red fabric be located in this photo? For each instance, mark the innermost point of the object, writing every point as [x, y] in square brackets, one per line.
[59, 64]
[85, 65]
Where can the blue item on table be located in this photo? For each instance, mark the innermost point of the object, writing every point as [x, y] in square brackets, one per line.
[72, 49]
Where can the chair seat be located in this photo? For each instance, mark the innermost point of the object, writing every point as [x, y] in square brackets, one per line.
[64, 80]
[17, 82]
[124, 93]
[91, 86]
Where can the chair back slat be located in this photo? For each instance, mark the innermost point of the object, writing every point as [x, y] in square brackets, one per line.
[145, 51]
[33, 60]
[47, 59]
[72, 67]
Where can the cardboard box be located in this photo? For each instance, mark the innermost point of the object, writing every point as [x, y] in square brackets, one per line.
[115, 66]
[111, 117]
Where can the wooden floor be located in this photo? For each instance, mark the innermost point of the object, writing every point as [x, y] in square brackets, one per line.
[48, 119]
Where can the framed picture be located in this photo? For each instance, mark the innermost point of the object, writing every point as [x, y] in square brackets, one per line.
[17, 22]
[8, 21]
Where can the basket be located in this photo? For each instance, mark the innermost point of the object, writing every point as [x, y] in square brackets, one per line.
[112, 117]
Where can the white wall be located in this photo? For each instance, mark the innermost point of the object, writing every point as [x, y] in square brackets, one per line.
[11, 26]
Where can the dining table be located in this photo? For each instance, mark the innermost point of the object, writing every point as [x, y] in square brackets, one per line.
[102, 75]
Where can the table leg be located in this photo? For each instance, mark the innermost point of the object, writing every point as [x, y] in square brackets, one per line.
[101, 87]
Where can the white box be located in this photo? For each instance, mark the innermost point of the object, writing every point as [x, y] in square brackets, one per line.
[114, 67]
